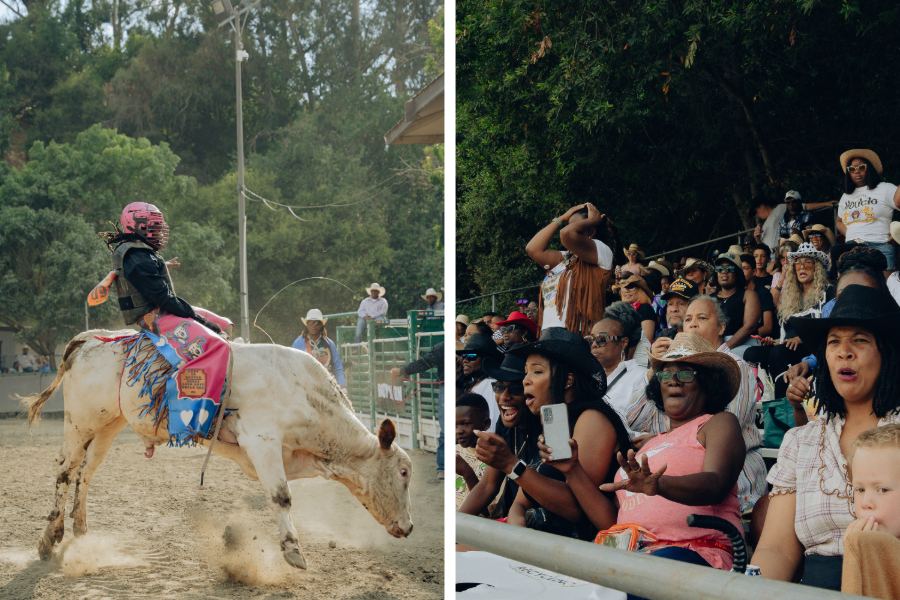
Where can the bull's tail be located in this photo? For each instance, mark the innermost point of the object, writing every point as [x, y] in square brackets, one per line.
[35, 403]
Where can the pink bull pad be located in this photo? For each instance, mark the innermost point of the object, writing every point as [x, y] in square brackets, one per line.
[223, 322]
[100, 294]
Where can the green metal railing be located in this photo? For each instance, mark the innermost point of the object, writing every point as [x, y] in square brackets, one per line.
[367, 365]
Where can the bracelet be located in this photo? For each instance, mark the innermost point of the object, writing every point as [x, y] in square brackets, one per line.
[557, 221]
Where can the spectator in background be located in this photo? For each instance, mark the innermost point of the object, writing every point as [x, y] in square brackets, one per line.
[315, 341]
[462, 322]
[43, 364]
[740, 304]
[583, 269]
[474, 379]
[373, 308]
[635, 292]
[835, 254]
[766, 325]
[477, 326]
[762, 257]
[820, 237]
[27, 362]
[433, 297]
[696, 270]
[771, 214]
[868, 204]
[796, 217]
[531, 311]
[610, 340]
[677, 299]
[471, 415]
[434, 359]
[635, 255]
[517, 329]
[778, 268]
[515, 439]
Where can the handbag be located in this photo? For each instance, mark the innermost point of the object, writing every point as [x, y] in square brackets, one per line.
[778, 417]
[626, 536]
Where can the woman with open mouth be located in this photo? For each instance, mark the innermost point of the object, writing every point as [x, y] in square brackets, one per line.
[559, 368]
[857, 385]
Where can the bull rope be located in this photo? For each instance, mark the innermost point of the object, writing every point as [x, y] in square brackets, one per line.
[220, 417]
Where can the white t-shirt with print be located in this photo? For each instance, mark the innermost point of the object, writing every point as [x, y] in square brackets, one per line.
[893, 286]
[551, 281]
[867, 213]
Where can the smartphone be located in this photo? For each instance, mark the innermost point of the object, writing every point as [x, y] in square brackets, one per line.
[555, 419]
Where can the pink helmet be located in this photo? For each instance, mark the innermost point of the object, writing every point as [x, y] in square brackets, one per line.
[147, 220]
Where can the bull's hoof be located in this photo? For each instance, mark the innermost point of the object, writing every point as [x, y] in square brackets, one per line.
[45, 547]
[295, 559]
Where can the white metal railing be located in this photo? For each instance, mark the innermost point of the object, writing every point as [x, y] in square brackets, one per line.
[630, 572]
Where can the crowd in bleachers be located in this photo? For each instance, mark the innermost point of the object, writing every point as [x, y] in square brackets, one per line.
[666, 369]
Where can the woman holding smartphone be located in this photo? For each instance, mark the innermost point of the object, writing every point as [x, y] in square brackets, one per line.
[559, 369]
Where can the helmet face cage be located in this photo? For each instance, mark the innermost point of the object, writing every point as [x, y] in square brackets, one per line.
[146, 220]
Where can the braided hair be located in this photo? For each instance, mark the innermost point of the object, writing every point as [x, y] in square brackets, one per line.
[865, 259]
[887, 388]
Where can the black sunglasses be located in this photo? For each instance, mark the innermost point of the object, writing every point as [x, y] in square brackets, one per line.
[470, 357]
[515, 389]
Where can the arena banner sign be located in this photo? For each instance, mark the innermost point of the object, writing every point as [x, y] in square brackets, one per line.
[389, 396]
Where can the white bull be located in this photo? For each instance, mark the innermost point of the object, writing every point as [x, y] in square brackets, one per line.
[293, 421]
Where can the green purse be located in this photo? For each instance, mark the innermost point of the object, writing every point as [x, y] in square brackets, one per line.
[778, 417]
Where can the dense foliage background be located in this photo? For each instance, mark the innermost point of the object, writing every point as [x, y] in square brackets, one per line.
[670, 116]
[104, 102]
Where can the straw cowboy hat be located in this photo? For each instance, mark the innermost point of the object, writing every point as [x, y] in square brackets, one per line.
[795, 237]
[659, 267]
[870, 156]
[807, 250]
[735, 249]
[429, 292]
[667, 264]
[895, 231]
[635, 248]
[695, 263]
[640, 283]
[375, 286]
[462, 319]
[692, 349]
[819, 229]
[314, 314]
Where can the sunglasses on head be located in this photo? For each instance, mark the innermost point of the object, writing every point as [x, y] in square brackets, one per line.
[726, 269]
[861, 168]
[685, 376]
[470, 357]
[602, 339]
[515, 389]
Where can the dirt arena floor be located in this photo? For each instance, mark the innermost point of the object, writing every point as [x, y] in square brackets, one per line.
[153, 534]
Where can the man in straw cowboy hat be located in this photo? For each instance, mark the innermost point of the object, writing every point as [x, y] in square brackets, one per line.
[314, 340]
[867, 206]
[372, 308]
[433, 297]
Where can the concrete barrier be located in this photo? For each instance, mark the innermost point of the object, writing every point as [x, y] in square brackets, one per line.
[26, 384]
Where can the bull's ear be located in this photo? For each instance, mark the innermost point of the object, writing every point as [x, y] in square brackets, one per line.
[386, 434]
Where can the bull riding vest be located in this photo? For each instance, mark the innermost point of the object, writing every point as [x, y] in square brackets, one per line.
[131, 302]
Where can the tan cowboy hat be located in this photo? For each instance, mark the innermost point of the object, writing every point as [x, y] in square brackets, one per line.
[667, 264]
[430, 292]
[692, 349]
[735, 249]
[640, 283]
[314, 314]
[730, 257]
[462, 319]
[895, 231]
[659, 267]
[870, 156]
[795, 237]
[375, 286]
[695, 263]
[635, 248]
[822, 229]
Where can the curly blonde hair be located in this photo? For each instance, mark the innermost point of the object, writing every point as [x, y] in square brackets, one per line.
[792, 299]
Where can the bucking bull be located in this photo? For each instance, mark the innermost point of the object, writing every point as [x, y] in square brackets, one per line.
[292, 421]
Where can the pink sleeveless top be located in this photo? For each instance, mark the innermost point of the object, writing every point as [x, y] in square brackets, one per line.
[668, 520]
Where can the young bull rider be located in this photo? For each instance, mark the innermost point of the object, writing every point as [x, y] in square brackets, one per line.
[193, 381]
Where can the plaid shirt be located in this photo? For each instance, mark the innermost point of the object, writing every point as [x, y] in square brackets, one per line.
[790, 222]
[644, 416]
[811, 465]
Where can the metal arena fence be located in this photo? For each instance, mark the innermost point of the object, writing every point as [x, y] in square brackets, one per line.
[376, 395]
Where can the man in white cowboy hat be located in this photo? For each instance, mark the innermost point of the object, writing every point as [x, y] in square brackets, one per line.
[373, 308]
[314, 340]
[433, 297]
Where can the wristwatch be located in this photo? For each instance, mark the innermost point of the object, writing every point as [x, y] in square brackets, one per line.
[518, 470]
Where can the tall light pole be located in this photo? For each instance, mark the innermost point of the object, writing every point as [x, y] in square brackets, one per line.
[225, 13]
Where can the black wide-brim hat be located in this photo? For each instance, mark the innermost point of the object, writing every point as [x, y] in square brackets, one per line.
[511, 369]
[857, 306]
[483, 346]
[567, 347]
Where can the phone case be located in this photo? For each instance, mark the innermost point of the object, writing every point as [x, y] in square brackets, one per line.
[555, 418]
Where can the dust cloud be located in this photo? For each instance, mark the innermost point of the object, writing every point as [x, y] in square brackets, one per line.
[88, 554]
